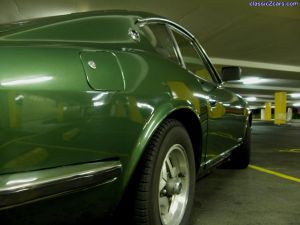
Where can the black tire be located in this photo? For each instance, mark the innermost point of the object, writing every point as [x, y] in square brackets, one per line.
[240, 157]
[146, 207]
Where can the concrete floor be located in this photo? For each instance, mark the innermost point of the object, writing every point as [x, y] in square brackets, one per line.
[251, 197]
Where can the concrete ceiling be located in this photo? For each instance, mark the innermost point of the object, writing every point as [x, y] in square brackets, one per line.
[264, 41]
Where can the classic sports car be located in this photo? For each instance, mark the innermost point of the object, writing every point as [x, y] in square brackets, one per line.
[103, 109]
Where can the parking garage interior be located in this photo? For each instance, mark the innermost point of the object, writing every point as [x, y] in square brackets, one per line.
[264, 42]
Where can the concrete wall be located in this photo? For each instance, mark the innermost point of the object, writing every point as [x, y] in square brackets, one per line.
[14, 10]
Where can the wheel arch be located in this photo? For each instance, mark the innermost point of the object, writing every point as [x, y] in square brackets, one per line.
[185, 115]
[192, 125]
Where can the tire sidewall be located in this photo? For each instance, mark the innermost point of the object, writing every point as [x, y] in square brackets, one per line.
[175, 135]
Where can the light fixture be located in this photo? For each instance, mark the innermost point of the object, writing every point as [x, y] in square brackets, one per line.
[251, 99]
[99, 103]
[252, 80]
[145, 105]
[297, 104]
[99, 96]
[295, 95]
[199, 95]
[30, 80]
[19, 97]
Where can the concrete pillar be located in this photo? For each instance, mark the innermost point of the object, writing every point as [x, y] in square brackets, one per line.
[268, 109]
[289, 114]
[262, 114]
[280, 108]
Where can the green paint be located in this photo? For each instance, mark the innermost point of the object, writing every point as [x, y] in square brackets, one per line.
[56, 111]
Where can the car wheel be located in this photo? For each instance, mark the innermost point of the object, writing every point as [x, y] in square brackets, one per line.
[240, 158]
[167, 178]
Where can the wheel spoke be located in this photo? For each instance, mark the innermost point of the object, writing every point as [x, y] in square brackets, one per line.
[163, 178]
[170, 167]
[173, 186]
[164, 173]
[164, 205]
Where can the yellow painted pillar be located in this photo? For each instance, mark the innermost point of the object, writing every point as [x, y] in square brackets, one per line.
[268, 108]
[280, 108]
[14, 110]
[134, 111]
[118, 110]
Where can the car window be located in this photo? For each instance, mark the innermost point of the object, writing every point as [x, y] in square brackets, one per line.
[191, 58]
[160, 38]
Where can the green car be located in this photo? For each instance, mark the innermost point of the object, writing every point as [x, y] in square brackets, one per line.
[107, 112]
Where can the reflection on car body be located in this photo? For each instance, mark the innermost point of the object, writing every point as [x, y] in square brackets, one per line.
[105, 106]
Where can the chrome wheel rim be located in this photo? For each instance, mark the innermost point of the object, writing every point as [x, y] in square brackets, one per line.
[173, 190]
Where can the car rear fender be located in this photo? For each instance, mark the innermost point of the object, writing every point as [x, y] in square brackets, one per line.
[160, 114]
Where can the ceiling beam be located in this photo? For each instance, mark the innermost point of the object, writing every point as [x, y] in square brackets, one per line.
[268, 100]
[262, 87]
[257, 65]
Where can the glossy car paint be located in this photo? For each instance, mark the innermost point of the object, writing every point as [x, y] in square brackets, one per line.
[56, 112]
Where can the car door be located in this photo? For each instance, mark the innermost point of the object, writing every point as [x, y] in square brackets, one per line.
[225, 114]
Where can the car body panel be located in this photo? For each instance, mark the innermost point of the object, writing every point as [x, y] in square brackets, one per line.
[59, 111]
[23, 188]
[103, 70]
[84, 206]
[226, 119]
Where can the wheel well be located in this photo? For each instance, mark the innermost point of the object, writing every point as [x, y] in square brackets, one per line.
[192, 125]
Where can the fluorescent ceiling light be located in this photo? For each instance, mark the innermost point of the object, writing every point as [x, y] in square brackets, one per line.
[32, 80]
[201, 96]
[99, 96]
[295, 95]
[252, 80]
[19, 97]
[145, 105]
[251, 99]
[99, 103]
[296, 104]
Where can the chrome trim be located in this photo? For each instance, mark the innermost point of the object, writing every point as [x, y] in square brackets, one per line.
[121, 69]
[177, 50]
[92, 64]
[150, 20]
[134, 35]
[214, 161]
[26, 187]
[185, 32]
